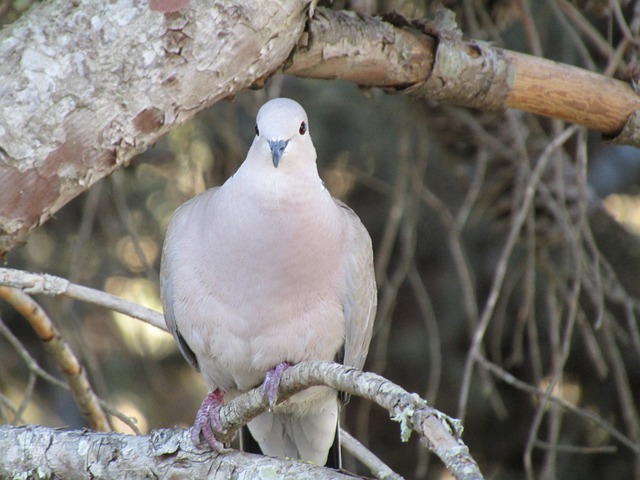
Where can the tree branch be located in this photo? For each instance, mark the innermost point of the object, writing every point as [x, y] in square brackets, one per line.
[429, 60]
[85, 87]
[437, 431]
[33, 283]
[50, 453]
[367, 457]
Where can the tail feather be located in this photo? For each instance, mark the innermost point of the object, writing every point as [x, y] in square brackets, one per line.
[334, 458]
[310, 436]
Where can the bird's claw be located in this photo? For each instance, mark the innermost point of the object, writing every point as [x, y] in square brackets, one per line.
[207, 417]
[271, 383]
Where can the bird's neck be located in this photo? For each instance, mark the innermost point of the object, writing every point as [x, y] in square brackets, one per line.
[291, 217]
[284, 189]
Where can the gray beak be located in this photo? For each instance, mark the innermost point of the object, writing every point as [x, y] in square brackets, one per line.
[277, 149]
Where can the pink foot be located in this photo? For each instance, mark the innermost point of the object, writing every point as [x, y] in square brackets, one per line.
[271, 382]
[208, 415]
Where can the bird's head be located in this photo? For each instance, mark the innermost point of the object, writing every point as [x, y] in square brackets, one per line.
[282, 130]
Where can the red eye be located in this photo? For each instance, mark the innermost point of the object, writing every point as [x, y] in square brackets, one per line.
[303, 128]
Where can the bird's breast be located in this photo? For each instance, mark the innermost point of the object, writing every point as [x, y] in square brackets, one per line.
[274, 278]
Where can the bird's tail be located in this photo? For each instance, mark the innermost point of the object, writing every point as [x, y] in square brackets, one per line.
[311, 435]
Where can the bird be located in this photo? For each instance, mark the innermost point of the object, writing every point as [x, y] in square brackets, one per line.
[266, 271]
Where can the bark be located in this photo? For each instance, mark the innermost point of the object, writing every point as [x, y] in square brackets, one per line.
[51, 453]
[86, 86]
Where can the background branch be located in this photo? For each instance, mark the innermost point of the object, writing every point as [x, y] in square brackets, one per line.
[69, 365]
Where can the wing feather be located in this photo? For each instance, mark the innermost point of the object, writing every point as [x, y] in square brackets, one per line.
[168, 264]
[360, 296]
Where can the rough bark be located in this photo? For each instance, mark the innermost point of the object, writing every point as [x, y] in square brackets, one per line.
[50, 453]
[86, 86]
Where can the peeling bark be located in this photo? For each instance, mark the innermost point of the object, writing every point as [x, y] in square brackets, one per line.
[86, 86]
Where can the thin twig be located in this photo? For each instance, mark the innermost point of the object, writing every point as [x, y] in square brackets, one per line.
[83, 393]
[531, 32]
[509, 379]
[33, 366]
[578, 449]
[389, 284]
[586, 27]
[501, 267]
[32, 283]
[379, 469]
[31, 363]
[573, 36]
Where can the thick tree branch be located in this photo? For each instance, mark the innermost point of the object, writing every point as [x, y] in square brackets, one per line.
[50, 453]
[84, 87]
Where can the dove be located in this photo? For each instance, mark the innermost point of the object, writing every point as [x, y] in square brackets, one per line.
[266, 271]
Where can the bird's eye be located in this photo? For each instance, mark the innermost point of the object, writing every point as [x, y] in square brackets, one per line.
[257, 131]
[303, 128]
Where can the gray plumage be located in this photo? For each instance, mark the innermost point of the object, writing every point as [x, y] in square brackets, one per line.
[266, 269]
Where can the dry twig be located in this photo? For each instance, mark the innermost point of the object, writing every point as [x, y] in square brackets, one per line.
[55, 344]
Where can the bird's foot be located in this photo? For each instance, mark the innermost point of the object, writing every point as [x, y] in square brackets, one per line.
[206, 417]
[271, 382]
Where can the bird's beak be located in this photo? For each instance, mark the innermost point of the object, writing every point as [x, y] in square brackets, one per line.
[277, 149]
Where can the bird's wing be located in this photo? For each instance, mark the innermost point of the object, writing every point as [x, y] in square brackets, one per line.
[170, 260]
[360, 295]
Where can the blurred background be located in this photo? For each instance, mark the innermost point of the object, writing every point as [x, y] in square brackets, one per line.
[551, 292]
